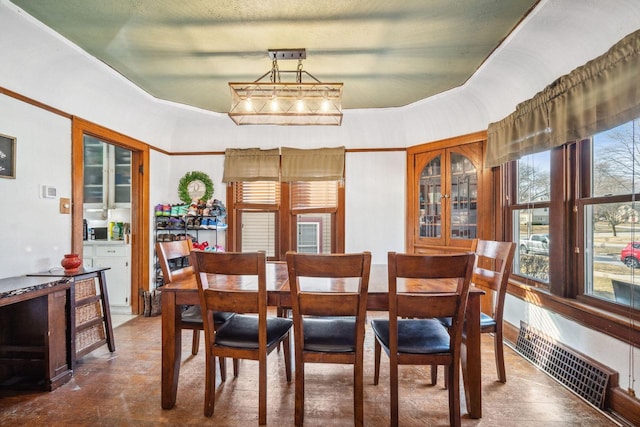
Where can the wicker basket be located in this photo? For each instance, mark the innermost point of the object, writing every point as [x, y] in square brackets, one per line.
[88, 312]
[89, 336]
[85, 288]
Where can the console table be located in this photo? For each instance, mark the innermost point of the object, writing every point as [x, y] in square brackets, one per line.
[89, 316]
[34, 333]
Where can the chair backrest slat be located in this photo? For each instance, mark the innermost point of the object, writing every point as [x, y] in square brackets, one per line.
[333, 265]
[236, 302]
[440, 305]
[434, 266]
[336, 304]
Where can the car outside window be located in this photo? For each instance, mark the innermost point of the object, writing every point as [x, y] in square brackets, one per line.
[530, 218]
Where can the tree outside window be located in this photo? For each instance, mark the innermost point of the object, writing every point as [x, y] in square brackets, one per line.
[530, 217]
[611, 214]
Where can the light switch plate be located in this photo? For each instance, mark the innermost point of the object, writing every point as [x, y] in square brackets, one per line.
[65, 205]
[48, 192]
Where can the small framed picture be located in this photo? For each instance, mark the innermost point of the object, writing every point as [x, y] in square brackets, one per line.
[7, 157]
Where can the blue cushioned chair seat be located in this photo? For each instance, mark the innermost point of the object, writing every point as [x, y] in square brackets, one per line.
[193, 314]
[485, 321]
[330, 334]
[242, 331]
[418, 336]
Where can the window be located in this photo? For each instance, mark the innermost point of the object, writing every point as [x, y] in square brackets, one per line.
[314, 206]
[610, 182]
[530, 216]
[256, 210]
[575, 214]
[308, 237]
[305, 216]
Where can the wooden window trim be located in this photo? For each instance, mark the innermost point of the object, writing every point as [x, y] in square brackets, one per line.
[596, 315]
[286, 224]
[565, 296]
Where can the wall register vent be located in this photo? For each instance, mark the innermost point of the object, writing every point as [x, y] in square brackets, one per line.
[574, 371]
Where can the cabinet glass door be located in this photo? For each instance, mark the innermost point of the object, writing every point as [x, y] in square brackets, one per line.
[122, 175]
[430, 199]
[94, 170]
[107, 174]
[463, 197]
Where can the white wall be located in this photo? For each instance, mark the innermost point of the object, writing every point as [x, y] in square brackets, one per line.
[375, 188]
[598, 346]
[34, 236]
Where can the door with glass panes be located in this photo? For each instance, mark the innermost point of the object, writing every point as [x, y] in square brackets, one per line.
[446, 183]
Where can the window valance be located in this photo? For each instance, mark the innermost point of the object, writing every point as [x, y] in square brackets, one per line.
[321, 164]
[251, 164]
[599, 95]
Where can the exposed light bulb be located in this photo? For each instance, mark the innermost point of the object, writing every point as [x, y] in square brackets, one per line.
[300, 105]
[247, 104]
[325, 105]
[274, 104]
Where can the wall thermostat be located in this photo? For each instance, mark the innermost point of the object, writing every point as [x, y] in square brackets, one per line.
[48, 192]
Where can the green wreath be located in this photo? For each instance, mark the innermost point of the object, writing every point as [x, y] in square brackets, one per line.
[183, 186]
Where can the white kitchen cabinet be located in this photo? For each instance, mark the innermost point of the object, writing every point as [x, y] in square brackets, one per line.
[116, 257]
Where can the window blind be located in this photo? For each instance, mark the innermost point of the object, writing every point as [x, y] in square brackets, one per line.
[257, 193]
[251, 164]
[314, 194]
[321, 164]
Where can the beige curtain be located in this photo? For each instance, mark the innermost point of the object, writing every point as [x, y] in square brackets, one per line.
[322, 164]
[251, 164]
[597, 96]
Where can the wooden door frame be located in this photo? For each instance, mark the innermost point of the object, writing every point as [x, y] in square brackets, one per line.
[139, 200]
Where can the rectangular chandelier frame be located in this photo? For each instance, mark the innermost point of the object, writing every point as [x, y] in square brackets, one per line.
[269, 103]
[286, 103]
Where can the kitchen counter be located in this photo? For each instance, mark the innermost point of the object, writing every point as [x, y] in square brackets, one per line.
[104, 242]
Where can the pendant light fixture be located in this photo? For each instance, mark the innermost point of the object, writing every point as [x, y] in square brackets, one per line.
[277, 102]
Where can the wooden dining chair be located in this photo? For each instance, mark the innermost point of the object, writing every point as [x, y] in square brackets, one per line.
[491, 274]
[243, 336]
[173, 258]
[413, 335]
[329, 305]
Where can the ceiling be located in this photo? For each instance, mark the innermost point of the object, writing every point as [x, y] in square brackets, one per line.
[387, 53]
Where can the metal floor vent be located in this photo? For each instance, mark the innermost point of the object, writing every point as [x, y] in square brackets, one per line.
[571, 369]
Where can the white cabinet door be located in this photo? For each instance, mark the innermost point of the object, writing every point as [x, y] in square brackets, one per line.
[118, 276]
[118, 280]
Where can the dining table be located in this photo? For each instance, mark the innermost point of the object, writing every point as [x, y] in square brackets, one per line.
[185, 292]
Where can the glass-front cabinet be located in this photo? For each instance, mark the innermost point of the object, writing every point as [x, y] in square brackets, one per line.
[443, 190]
[95, 171]
[107, 174]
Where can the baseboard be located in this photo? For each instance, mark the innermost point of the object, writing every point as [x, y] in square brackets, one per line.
[120, 309]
